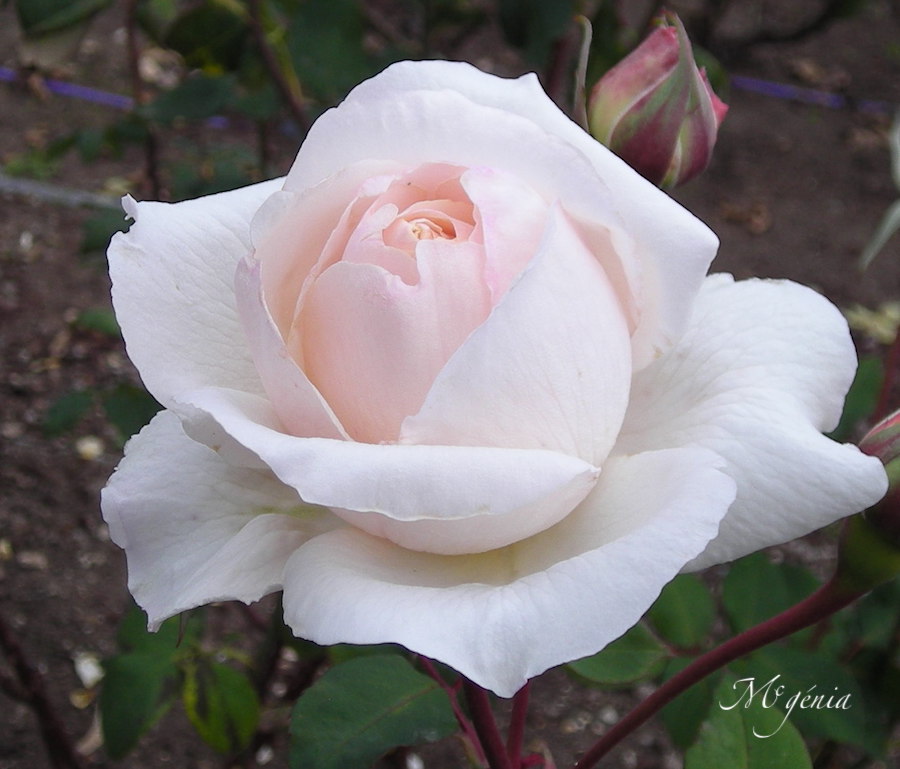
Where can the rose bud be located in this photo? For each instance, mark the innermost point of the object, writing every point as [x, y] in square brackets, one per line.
[869, 553]
[656, 109]
[883, 441]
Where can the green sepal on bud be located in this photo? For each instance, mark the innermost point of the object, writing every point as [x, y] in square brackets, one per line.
[656, 110]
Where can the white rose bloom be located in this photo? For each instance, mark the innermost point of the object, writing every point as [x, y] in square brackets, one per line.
[459, 382]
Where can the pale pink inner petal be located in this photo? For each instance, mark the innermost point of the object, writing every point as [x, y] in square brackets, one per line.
[511, 218]
[293, 232]
[374, 344]
[375, 323]
[414, 263]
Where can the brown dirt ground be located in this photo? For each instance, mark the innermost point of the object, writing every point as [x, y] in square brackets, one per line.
[794, 191]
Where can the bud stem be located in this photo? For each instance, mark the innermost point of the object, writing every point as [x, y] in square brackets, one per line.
[486, 726]
[827, 600]
[516, 733]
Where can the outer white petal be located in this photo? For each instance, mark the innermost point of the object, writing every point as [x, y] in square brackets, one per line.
[442, 498]
[549, 369]
[505, 616]
[195, 529]
[300, 405]
[674, 247]
[762, 371]
[173, 290]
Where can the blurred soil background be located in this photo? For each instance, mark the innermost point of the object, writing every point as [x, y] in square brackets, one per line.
[795, 190]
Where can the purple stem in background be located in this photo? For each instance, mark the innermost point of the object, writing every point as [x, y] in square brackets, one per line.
[93, 95]
[810, 95]
[741, 82]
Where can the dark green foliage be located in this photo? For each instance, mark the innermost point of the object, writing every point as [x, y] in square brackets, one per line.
[364, 707]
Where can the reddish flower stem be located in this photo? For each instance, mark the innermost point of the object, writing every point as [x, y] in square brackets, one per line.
[464, 723]
[516, 734]
[486, 726]
[828, 599]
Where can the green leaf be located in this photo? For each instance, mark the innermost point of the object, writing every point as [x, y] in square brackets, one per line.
[635, 656]
[861, 399]
[745, 734]
[198, 97]
[129, 408]
[683, 716]
[534, 25]
[66, 411]
[208, 175]
[684, 612]
[872, 621]
[756, 589]
[156, 16]
[210, 35]
[97, 230]
[259, 103]
[222, 705]
[720, 743]
[137, 691]
[359, 710]
[133, 636]
[90, 143]
[325, 40]
[41, 17]
[99, 319]
[340, 653]
[32, 164]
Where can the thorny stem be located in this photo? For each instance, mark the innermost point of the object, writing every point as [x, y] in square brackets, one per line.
[516, 733]
[31, 690]
[486, 726]
[828, 599]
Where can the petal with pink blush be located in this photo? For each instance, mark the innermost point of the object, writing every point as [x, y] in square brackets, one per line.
[673, 246]
[510, 221]
[293, 232]
[366, 245]
[295, 399]
[372, 344]
[550, 368]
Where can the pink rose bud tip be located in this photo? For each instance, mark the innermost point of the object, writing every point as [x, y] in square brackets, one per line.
[656, 109]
